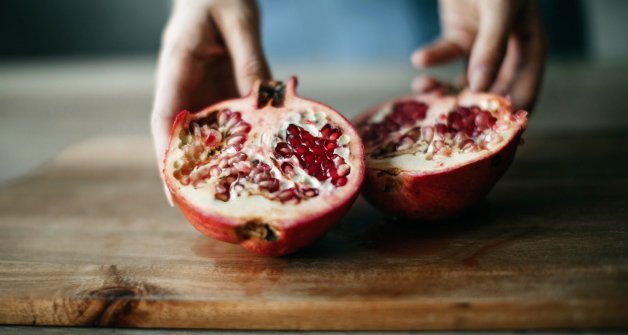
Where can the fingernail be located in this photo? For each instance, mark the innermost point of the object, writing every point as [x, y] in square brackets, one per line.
[477, 78]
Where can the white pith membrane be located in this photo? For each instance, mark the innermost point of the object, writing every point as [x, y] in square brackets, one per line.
[191, 164]
[416, 145]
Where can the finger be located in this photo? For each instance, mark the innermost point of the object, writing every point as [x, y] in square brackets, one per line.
[439, 52]
[490, 43]
[528, 79]
[240, 29]
[506, 76]
[426, 84]
[534, 43]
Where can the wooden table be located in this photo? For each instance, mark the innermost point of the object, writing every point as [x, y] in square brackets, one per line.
[88, 239]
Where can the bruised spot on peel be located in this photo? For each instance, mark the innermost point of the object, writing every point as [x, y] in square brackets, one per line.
[256, 228]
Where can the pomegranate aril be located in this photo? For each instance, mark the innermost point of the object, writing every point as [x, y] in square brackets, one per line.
[306, 136]
[342, 181]
[482, 119]
[330, 146]
[271, 185]
[233, 120]
[310, 192]
[318, 150]
[325, 130]
[223, 116]
[427, 133]
[242, 128]
[293, 130]
[454, 120]
[235, 140]
[287, 195]
[308, 157]
[213, 138]
[334, 134]
[287, 168]
[343, 170]
[283, 150]
[441, 128]
[320, 175]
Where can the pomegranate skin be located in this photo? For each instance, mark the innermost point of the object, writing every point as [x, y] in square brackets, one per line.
[437, 196]
[444, 193]
[254, 233]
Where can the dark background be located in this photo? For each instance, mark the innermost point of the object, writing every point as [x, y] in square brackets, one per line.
[331, 30]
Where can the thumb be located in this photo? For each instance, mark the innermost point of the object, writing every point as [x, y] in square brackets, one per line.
[489, 46]
[240, 30]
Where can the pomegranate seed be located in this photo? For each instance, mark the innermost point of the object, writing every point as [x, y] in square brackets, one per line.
[283, 150]
[287, 195]
[306, 136]
[271, 185]
[213, 138]
[441, 128]
[287, 168]
[466, 144]
[481, 120]
[310, 192]
[263, 167]
[318, 150]
[454, 120]
[334, 134]
[221, 188]
[293, 130]
[325, 130]
[235, 140]
[320, 175]
[338, 160]
[427, 133]
[242, 129]
[342, 181]
[233, 120]
[343, 170]
[460, 137]
[330, 146]
[463, 111]
[244, 167]
[301, 149]
[308, 157]
[491, 121]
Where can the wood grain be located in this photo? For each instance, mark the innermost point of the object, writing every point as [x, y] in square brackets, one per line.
[88, 240]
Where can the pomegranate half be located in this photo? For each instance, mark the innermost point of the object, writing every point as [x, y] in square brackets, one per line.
[434, 156]
[270, 171]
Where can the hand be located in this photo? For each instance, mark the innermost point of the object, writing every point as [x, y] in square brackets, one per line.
[211, 51]
[503, 42]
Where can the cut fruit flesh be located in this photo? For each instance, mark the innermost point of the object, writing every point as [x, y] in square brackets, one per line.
[433, 157]
[251, 169]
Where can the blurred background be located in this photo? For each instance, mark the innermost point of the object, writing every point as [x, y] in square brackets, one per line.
[73, 69]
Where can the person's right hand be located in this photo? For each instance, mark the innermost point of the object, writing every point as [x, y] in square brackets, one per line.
[211, 51]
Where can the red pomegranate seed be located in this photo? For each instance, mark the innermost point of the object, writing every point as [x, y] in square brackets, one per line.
[343, 170]
[213, 138]
[463, 111]
[325, 130]
[491, 121]
[271, 185]
[283, 150]
[334, 134]
[287, 195]
[318, 150]
[287, 168]
[454, 120]
[482, 119]
[293, 130]
[242, 128]
[310, 192]
[223, 116]
[306, 136]
[330, 146]
[342, 181]
[301, 149]
[441, 128]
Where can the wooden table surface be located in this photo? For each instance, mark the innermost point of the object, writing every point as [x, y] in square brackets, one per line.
[87, 239]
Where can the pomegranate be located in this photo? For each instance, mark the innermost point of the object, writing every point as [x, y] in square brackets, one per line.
[270, 171]
[434, 156]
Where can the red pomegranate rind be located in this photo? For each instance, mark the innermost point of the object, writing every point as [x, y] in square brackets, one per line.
[449, 189]
[297, 220]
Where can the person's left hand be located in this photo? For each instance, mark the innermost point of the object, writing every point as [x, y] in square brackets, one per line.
[503, 42]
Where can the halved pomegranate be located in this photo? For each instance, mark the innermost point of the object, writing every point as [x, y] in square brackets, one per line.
[271, 171]
[432, 157]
